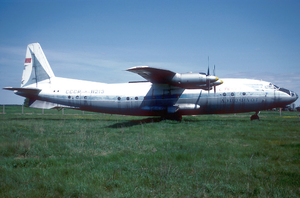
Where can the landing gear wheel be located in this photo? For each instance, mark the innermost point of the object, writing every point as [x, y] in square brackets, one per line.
[178, 117]
[255, 116]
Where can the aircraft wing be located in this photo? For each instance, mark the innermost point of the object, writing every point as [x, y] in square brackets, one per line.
[154, 75]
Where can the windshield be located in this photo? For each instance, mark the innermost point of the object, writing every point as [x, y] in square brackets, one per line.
[285, 90]
[272, 86]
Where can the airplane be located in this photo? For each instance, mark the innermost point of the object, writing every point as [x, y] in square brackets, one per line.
[164, 93]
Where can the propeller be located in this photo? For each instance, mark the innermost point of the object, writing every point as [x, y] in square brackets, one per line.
[208, 67]
[208, 82]
[214, 70]
[214, 75]
[209, 79]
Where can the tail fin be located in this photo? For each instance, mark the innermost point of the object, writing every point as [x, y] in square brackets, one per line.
[37, 70]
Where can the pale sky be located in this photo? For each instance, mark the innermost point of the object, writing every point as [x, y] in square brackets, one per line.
[99, 40]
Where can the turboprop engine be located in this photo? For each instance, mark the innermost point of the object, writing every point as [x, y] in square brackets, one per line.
[193, 80]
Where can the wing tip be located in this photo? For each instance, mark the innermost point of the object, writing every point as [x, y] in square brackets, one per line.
[136, 68]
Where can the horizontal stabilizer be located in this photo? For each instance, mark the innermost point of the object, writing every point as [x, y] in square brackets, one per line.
[46, 105]
[24, 90]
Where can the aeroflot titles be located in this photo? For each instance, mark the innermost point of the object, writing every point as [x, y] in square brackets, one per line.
[240, 100]
[85, 91]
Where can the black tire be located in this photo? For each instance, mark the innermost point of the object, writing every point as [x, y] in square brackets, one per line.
[254, 117]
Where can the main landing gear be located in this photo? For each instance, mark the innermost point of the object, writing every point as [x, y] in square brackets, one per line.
[255, 116]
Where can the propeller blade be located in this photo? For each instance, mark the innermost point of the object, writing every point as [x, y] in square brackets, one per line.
[214, 75]
[208, 82]
[214, 70]
[208, 68]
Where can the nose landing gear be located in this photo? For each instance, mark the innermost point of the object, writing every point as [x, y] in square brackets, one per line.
[255, 116]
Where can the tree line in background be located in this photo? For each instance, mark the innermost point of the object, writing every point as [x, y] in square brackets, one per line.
[26, 102]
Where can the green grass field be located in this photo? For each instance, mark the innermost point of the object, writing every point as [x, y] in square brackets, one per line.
[98, 155]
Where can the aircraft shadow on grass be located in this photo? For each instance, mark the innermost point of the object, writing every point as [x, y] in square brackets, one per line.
[131, 123]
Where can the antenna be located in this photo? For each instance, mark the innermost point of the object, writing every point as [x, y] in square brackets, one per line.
[208, 82]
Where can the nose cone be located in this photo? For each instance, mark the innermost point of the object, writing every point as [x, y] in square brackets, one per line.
[212, 78]
[285, 97]
[294, 95]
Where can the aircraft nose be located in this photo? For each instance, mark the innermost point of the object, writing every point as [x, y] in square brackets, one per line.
[294, 95]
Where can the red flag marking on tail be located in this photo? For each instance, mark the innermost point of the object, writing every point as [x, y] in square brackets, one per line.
[27, 60]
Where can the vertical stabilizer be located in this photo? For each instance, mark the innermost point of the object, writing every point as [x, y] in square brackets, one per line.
[37, 70]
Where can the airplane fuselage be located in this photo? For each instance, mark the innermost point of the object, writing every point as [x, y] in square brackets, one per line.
[147, 99]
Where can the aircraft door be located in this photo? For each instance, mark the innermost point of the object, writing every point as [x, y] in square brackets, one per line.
[133, 103]
[166, 96]
[155, 96]
[221, 106]
[276, 96]
[128, 104]
[74, 98]
[84, 98]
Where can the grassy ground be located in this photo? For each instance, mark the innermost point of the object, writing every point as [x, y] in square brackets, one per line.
[97, 155]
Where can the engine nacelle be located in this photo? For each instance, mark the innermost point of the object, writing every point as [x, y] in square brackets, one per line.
[192, 80]
[211, 85]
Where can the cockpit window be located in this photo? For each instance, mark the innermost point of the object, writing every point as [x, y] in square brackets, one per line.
[272, 86]
[285, 90]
